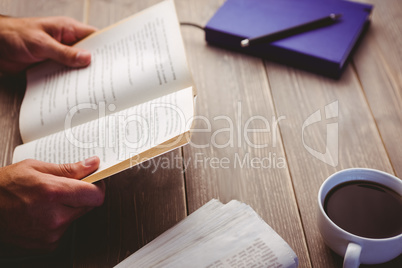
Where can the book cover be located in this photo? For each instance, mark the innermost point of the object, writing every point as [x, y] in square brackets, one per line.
[324, 50]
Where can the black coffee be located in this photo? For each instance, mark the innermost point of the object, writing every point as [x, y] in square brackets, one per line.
[366, 209]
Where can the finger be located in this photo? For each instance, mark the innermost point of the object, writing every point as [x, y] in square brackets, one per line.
[80, 30]
[80, 194]
[72, 193]
[77, 170]
[69, 56]
[101, 185]
[67, 30]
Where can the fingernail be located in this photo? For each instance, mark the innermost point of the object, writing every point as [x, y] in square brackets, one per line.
[83, 57]
[89, 162]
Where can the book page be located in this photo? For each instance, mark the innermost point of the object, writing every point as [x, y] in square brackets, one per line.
[134, 61]
[118, 136]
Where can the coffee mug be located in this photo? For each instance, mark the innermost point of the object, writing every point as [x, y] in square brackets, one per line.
[357, 249]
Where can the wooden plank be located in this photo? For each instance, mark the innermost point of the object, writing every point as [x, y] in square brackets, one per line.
[297, 95]
[24, 8]
[233, 89]
[140, 203]
[378, 62]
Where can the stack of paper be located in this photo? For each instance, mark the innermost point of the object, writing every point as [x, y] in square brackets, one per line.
[217, 235]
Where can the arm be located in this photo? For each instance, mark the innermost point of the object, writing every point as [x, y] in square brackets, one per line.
[24, 41]
[38, 201]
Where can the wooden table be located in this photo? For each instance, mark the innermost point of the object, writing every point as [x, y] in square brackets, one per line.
[141, 203]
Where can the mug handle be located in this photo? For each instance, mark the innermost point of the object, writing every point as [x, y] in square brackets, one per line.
[352, 256]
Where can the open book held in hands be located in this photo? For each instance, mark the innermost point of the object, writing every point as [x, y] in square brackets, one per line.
[133, 102]
[215, 236]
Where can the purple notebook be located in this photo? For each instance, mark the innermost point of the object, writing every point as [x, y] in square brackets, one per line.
[324, 50]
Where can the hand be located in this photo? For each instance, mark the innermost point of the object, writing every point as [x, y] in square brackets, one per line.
[38, 201]
[24, 41]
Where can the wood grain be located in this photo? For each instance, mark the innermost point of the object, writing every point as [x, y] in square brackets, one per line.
[297, 95]
[233, 89]
[378, 63]
[24, 8]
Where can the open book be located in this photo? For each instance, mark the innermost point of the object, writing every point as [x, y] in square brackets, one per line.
[133, 102]
[217, 235]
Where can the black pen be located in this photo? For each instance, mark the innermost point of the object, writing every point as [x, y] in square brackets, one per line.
[328, 20]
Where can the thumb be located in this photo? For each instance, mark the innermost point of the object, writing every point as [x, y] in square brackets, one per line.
[67, 55]
[77, 170]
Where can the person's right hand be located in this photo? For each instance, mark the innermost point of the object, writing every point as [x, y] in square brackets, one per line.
[38, 201]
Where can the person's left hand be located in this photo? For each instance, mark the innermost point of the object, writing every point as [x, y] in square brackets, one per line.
[24, 41]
